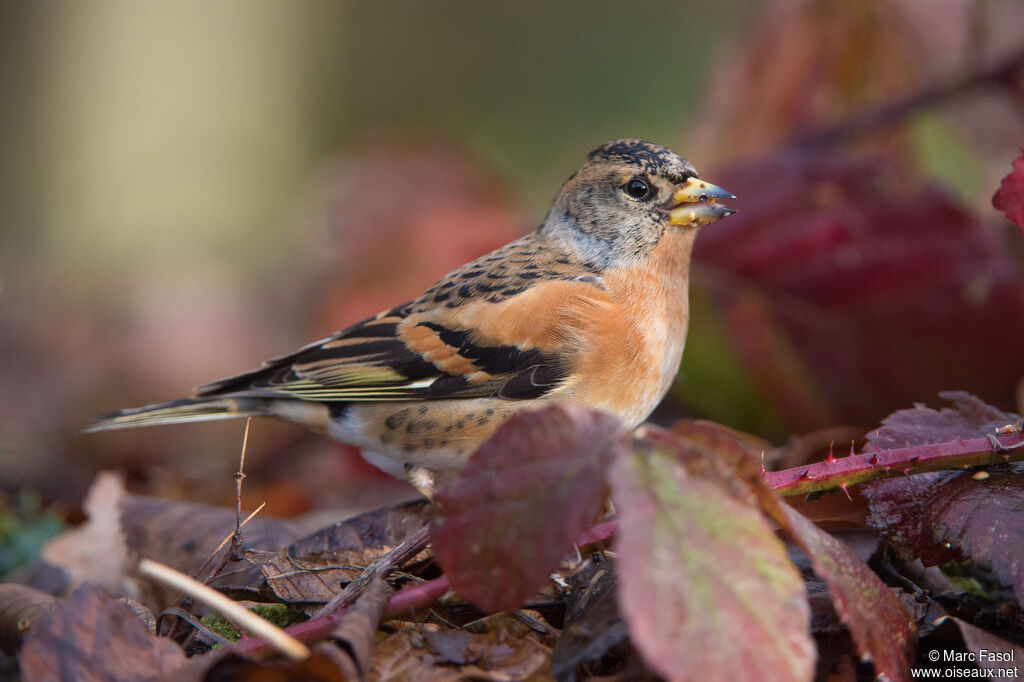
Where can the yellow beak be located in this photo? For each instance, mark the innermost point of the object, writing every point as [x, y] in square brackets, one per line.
[696, 204]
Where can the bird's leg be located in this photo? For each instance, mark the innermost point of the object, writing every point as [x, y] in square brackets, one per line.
[422, 479]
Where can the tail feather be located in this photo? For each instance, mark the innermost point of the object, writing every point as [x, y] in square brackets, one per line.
[178, 411]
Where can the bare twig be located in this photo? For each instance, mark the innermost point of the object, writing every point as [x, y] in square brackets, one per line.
[1005, 72]
[326, 619]
[230, 537]
[237, 614]
[235, 552]
[235, 537]
[410, 547]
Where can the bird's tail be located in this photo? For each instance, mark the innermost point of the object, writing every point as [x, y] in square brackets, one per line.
[178, 411]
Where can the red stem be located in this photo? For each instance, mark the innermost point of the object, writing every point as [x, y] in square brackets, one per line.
[846, 471]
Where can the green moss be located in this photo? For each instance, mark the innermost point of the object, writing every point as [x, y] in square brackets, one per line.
[973, 579]
[221, 627]
[280, 615]
[25, 526]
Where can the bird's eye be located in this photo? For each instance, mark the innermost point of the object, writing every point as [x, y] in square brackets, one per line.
[638, 188]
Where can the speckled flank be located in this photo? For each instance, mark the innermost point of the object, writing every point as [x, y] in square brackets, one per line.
[439, 435]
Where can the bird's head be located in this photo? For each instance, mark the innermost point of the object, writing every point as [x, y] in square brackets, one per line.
[624, 198]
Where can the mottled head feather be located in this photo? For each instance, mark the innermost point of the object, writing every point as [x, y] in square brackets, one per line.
[649, 157]
[598, 222]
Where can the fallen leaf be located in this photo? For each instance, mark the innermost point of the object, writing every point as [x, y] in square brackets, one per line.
[21, 607]
[362, 539]
[430, 653]
[96, 551]
[184, 535]
[356, 632]
[950, 516]
[122, 529]
[326, 664]
[526, 494]
[92, 637]
[298, 582]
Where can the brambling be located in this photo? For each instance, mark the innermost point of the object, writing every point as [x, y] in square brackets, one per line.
[590, 308]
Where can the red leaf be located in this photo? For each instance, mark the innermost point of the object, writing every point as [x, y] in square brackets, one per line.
[944, 517]
[947, 516]
[706, 587]
[970, 417]
[94, 637]
[847, 295]
[1009, 198]
[516, 507]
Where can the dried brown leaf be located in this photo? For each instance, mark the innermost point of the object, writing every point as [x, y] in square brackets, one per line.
[356, 631]
[297, 581]
[429, 653]
[326, 664]
[21, 607]
[96, 551]
[92, 637]
[365, 538]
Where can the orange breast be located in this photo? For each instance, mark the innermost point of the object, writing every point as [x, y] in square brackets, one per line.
[636, 346]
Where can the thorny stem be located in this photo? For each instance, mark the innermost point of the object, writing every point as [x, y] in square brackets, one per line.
[838, 473]
[846, 471]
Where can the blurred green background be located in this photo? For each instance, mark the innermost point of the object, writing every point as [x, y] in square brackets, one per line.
[136, 134]
[187, 188]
